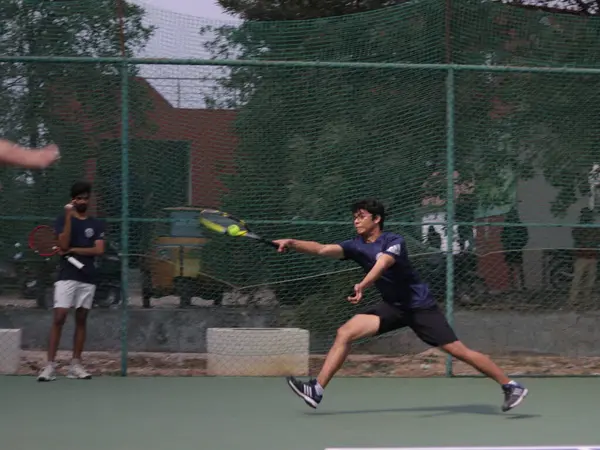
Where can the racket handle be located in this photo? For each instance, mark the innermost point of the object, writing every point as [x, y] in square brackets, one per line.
[271, 243]
[75, 262]
[72, 260]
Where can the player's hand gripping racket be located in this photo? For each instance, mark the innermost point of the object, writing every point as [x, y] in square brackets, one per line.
[224, 223]
[43, 240]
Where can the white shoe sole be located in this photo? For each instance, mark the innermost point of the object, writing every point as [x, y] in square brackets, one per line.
[75, 377]
[309, 401]
[44, 379]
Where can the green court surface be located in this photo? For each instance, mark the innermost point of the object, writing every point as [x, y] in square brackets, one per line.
[111, 413]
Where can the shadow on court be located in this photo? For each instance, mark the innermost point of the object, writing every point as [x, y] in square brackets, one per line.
[435, 411]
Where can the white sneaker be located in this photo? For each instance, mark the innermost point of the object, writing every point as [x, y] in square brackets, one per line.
[47, 373]
[76, 371]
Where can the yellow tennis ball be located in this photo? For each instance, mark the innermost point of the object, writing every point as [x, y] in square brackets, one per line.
[233, 230]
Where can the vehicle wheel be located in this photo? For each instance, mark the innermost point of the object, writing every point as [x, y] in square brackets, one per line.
[45, 298]
[108, 296]
[146, 289]
[185, 288]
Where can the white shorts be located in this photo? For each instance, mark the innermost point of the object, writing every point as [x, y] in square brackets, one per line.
[73, 294]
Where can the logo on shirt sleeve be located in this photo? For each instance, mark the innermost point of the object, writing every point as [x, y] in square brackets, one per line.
[395, 249]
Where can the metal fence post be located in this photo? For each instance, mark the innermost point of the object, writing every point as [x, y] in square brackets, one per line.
[450, 205]
[124, 213]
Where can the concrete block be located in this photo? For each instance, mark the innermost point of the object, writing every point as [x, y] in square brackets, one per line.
[257, 351]
[10, 351]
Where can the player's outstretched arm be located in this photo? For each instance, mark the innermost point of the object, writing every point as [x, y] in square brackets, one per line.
[311, 247]
[15, 155]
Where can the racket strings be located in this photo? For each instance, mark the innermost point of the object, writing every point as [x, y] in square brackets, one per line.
[44, 241]
[223, 221]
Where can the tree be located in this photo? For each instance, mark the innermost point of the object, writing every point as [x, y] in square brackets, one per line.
[274, 10]
[578, 7]
[70, 104]
[544, 118]
[312, 139]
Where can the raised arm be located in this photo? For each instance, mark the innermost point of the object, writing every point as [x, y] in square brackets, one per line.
[16, 155]
[334, 251]
[63, 228]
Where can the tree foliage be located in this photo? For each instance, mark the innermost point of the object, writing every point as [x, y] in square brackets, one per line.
[311, 140]
[544, 118]
[577, 7]
[70, 104]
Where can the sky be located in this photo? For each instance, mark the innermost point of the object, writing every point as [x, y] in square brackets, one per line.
[178, 35]
[200, 8]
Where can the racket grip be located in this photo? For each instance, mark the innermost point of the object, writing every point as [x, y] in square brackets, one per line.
[75, 262]
[271, 243]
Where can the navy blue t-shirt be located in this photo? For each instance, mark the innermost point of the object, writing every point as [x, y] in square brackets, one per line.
[400, 285]
[84, 233]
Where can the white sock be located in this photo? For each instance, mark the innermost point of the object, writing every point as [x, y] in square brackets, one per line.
[75, 362]
[319, 388]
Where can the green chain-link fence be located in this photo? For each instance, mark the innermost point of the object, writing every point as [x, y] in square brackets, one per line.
[475, 123]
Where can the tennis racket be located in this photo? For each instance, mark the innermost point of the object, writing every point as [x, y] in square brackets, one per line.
[224, 223]
[43, 241]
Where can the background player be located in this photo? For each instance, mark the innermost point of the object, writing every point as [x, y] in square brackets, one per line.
[406, 301]
[13, 154]
[81, 236]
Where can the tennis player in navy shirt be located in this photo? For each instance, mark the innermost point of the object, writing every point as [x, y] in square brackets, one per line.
[82, 237]
[406, 301]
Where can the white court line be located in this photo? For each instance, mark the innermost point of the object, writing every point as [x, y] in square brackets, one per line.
[571, 447]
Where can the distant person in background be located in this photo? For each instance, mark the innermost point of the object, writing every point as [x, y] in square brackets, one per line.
[514, 240]
[436, 269]
[466, 205]
[433, 240]
[594, 182]
[586, 241]
[13, 154]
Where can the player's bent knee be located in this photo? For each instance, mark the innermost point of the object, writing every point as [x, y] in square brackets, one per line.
[360, 326]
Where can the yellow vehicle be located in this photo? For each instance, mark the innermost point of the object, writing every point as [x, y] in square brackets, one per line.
[173, 265]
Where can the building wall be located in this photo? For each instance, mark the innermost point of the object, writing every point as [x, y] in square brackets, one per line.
[213, 142]
[535, 198]
[176, 330]
[209, 132]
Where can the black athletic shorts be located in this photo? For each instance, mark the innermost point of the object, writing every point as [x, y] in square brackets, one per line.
[429, 324]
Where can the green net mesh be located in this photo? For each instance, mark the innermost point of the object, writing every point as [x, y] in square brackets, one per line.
[289, 148]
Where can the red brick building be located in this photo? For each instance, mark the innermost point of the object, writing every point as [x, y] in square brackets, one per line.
[208, 134]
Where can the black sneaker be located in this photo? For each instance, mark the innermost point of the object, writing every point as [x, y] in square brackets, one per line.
[306, 391]
[514, 394]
